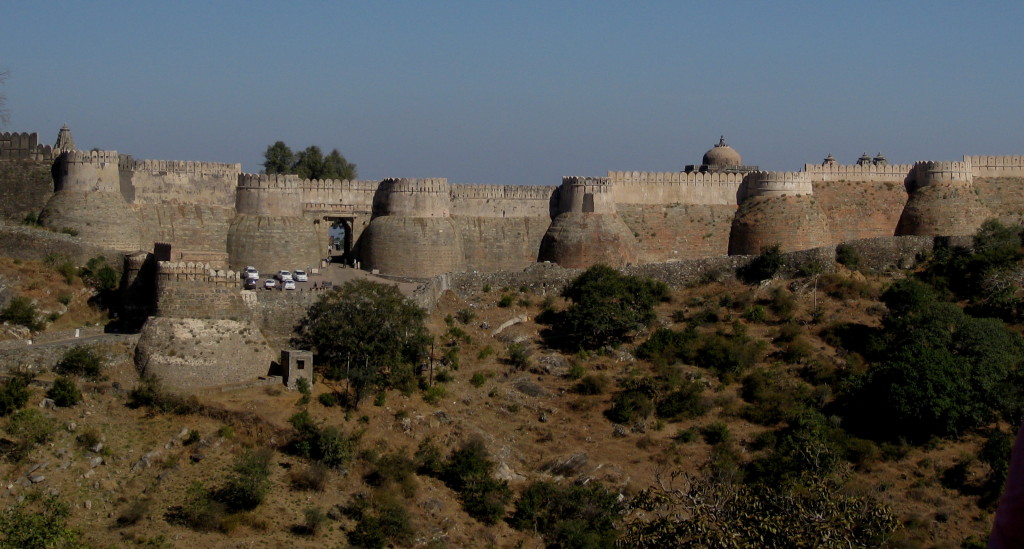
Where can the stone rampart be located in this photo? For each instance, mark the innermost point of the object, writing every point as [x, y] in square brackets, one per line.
[858, 209]
[268, 195]
[503, 201]
[996, 166]
[942, 173]
[33, 244]
[586, 195]
[25, 186]
[494, 243]
[413, 198]
[193, 290]
[88, 171]
[793, 221]
[775, 184]
[856, 172]
[675, 187]
[668, 232]
[24, 146]
[354, 194]
[178, 182]
[194, 227]
[278, 313]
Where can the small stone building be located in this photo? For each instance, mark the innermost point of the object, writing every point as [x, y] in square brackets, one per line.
[295, 365]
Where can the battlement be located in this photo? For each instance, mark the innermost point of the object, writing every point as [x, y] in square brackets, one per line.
[176, 271]
[586, 195]
[338, 184]
[463, 191]
[777, 184]
[855, 172]
[182, 167]
[693, 178]
[415, 197]
[91, 157]
[718, 188]
[265, 181]
[996, 166]
[931, 173]
[23, 146]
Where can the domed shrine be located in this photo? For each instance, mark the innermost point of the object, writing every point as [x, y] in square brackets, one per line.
[721, 158]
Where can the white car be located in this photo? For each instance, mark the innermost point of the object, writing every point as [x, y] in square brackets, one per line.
[251, 273]
[300, 276]
[269, 284]
[284, 275]
[289, 285]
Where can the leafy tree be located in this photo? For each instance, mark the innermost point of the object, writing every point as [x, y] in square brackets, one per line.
[99, 274]
[309, 163]
[278, 158]
[81, 361]
[469, 471]
[366, 332]
[249, 481]
[327, 445]
[14, 393]
[608, 305]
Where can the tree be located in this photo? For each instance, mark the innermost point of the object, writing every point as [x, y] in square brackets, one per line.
[278, 158]
[368, 333]
[608, 305]
[307, 164]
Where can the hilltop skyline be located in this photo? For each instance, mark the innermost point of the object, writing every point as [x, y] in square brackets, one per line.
[520, 93]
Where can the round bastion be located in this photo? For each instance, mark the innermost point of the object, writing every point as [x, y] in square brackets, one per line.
[778, 208]
[412, 233]
[943, 201]
[269, 231]
[588, 231]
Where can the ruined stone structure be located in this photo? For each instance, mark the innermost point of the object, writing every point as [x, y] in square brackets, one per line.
[423, 227]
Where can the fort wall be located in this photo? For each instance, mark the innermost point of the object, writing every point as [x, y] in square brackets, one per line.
[669, 232]
[675, 187]
[494, 243]
[996, 166]
[503, 201]
[769, 184]
[194, 290]
[88, 171]
[413, 198]
[856, 172]
[24, 146]
[193, 227]
[269, 195]
[354, 194]
[859, 209]
[178, 182]
[25, 186]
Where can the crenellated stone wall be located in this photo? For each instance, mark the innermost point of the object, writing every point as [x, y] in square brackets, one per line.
[661, 188]
[178, 182]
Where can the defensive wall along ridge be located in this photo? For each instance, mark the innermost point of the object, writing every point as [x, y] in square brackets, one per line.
[421, 227]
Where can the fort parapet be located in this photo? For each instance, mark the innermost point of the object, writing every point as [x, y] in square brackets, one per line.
[770, 184]
[23, 146]
[707, 188]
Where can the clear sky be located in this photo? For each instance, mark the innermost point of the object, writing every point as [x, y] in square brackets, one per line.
[520, 91]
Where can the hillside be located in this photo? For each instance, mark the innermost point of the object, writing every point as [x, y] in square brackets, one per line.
[130, 465]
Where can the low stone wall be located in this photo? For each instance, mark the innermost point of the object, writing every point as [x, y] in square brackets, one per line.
[277, 313]
[20, 356]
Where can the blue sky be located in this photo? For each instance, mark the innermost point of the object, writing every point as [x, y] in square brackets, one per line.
[520, 92]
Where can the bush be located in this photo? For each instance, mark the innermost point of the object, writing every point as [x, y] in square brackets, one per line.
[328, 399]
[434, 394]
[328, 445]
[592, 384]
[685, 402]
[30, 428]
[249, 481]
[379, 523]
[465, 316]
[14, 394]
[608, 306]
[518, 356]
[478, 379]
[21, 311]
[468, 471]
[64, 392]
[716, 433]
[847, 256]
[312, 478]
[200, 512]
[629, 406]
[37, 522]
[570, 516]
[394, 470]
[98, 274]
[763, 267]
[81, 361]
[506, 301]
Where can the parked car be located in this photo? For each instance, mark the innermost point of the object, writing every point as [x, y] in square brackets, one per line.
[269, 284]
[300, 276]
[251, 273]
[284, 275]
[288, 284]
[251, 283]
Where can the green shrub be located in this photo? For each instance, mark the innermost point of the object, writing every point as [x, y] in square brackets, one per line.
[37, 522]
[327, 445]
[249, 481]
[68, 271]
[848, 256]
[592, 384]
[506, 300]
[98, 274]
[716, 433]
[64, 392]
[14, 394]
[485, 352]
[478, 379]
[22, 311]
[756, 313]
[629, 406]
[685, 436]
[518, 356]
[608, 306]
[434, 394]
[685, 402]
[31, 219]
[468, 471]
[328, 399]
[396, 470]
[312, 478]
[763, 267]
[379, 523]
[81, 361]
[200, 512]
[465, 316]
[30, 428]
[570, 516]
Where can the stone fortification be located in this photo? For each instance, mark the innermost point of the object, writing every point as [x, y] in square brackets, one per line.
[24, 146]
[860, 200]
[193, 227]
[203, 333]
[357, 196]
[588, 230]
[717, 188]
[858, 172]
[412, 232]
[778, 208]
[504, 201]
[269, 230]
[675, 231]
[33, 244]
[88, 201]
[996, 166]
[178, 182]
[942, 201]
[25, 187]
[501, 226]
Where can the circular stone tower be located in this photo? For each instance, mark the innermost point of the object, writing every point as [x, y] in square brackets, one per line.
[88, 201]
[268, 231]
[412, 233]
[778, 208]
[942, 202]
[587, 230]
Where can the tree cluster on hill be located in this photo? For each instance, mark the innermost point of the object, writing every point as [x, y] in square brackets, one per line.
[309, 163]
